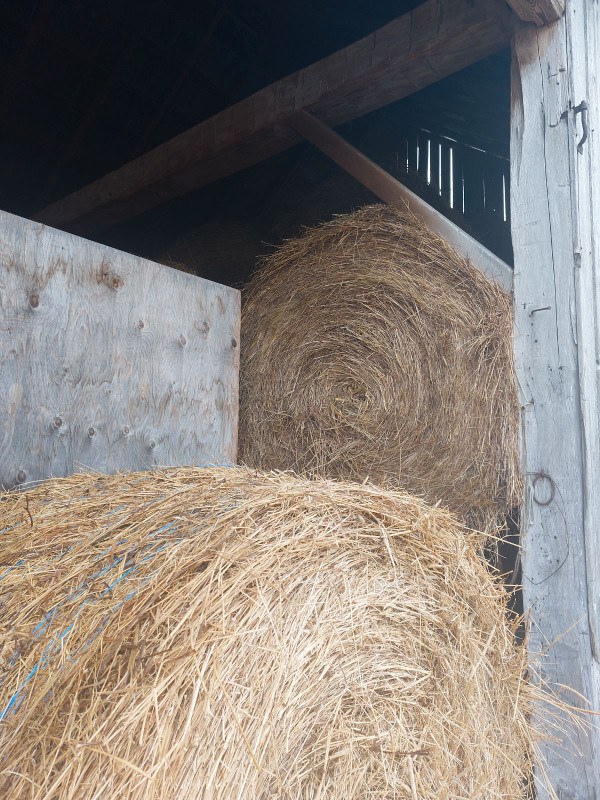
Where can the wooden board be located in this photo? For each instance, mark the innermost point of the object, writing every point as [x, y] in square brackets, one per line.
[391, 191]
[417, 49]
[108, 361]
[555, 222]
[539, 11]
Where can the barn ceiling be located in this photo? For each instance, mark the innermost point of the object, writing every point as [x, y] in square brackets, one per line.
[86, 85]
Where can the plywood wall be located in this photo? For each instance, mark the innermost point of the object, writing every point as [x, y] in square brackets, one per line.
[108, 361]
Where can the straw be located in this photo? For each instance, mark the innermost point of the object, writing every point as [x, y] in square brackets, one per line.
[371, 350]
[221, 633]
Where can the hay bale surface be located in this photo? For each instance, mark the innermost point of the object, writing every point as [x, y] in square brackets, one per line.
[218, 633]
[370, 349]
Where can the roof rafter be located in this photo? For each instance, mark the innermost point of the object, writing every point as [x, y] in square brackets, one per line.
[391, 191]
[420, 47]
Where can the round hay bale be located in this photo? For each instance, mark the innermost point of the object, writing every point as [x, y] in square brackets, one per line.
[371, 350]
[211, 633]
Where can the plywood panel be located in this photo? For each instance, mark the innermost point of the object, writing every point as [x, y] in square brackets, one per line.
[109, 361]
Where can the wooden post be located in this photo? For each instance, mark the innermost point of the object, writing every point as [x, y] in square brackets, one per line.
[555, 196]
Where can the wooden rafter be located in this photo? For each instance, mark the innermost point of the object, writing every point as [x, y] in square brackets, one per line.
[541, 12]
[431, 41]
[98, 101]
[391, 191]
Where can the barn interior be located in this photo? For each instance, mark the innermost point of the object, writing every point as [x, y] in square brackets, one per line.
[88, 86]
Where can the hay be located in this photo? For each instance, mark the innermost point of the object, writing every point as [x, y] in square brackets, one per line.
[371, 350]
[218, 633]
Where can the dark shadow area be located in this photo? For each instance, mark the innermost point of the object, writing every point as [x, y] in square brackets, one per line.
[85, 87]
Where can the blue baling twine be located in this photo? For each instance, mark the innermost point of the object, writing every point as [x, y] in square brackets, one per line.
[17, 699]
[53, 648]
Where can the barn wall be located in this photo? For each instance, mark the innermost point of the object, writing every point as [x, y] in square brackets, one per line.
[556, 204]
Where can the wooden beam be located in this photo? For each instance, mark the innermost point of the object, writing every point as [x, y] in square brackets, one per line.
[555, 197]
[542, 12]
[431, 41]
[391, 191]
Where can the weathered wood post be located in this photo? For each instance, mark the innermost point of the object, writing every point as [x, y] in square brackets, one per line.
[555, 196]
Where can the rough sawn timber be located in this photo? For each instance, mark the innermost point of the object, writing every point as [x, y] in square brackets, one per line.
[420, 47]
[539, 11]
[555, 196]
[391, 191]
[108, 361]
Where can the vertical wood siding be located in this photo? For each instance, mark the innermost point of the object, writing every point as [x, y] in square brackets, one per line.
[555, 198]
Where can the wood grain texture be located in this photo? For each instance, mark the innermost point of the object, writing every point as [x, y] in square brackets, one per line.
[539, 11]
[431, 41]
[391, 191]
[555, 218]
[108, 361]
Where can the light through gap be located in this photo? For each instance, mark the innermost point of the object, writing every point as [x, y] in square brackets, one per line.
[428, 161]
[451, 178]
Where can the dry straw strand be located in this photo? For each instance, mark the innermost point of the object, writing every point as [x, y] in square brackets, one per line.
[371, 350]
[221, 633]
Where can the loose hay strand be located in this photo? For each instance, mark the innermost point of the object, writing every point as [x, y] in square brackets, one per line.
[209, 633]
[371, 350]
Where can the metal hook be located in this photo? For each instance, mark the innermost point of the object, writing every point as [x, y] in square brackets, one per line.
[582, 109]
